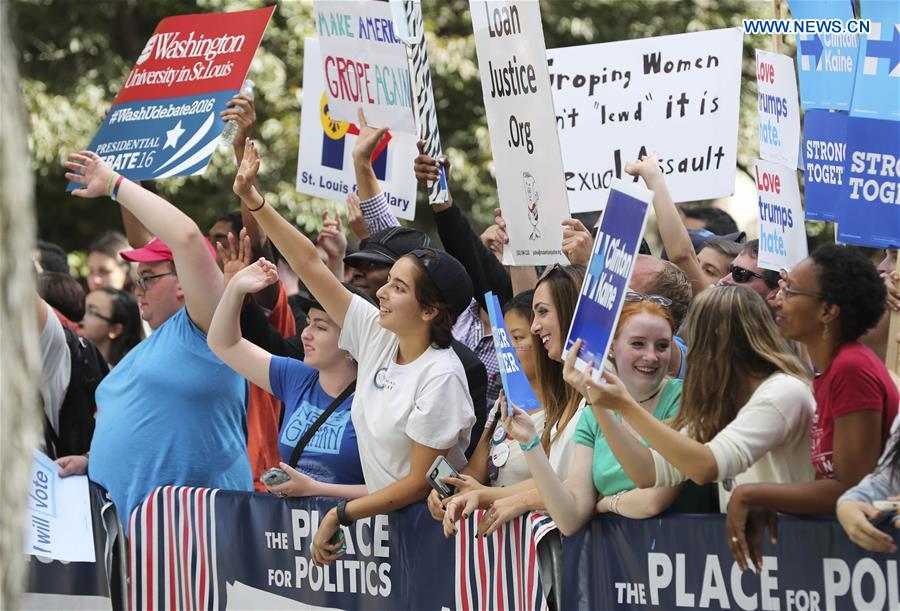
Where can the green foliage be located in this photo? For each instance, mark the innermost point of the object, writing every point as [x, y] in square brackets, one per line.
[75, 55]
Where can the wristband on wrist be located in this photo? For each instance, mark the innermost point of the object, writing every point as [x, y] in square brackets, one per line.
[341, 509]
[115, 191]
[527, 446]
[258, 207]
[110, 183]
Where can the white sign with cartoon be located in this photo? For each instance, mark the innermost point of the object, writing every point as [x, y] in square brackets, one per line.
[515, 82]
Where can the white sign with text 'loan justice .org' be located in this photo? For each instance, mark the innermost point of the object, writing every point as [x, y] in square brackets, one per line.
[59, 514]
[676, 95]
[512, 62]
[325, 164]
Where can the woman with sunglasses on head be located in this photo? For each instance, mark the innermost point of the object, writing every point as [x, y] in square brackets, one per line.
[745, 409]
[112, 320]
[640, 353]
[412, 403]
[827, 302]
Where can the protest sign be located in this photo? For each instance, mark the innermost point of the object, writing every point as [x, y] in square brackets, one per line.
[410, 26]
[825, 139]
[165, 121]
[779, 112]
[512, 61]
[516, 387]
[876, 90]
[675, 95]
[59, 514]
[869, 209]
[325, 164]
[365, 64]
[782, 232]
[826, 62]
[609, 271]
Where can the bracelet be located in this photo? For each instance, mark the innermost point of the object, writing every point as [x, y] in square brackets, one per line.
[110, 183]
[115, 192]
[527, 446]
[258, 207]
[614, 505]
[341, 508]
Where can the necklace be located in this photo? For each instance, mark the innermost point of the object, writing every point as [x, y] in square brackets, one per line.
[653, 395]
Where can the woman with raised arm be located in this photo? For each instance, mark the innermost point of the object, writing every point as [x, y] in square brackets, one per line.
[745, 409]
[328, 464]
[412, 403]
[170, 412]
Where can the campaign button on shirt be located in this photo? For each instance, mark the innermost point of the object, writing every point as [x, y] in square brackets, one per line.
[499, 454]
[499, 434]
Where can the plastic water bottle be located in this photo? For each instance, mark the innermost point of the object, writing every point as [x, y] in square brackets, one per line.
[231, 128]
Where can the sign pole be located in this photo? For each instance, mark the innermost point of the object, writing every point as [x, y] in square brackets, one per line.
[776, 38]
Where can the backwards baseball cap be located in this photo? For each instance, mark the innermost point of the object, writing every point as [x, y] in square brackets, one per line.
[448, 275]
[307, 300]
[156, 250]
[388, 245]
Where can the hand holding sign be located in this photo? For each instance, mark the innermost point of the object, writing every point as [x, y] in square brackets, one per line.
[517, 422]
[368, 140]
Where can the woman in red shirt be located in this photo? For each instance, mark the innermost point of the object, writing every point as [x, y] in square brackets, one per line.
[827, 302]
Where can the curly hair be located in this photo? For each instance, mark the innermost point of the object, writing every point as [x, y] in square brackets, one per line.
[673, 283]
[849, 280]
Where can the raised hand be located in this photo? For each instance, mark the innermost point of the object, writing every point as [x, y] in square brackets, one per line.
[368, 138]
[246, 174]
[495, 237]
[647, 168]
[426, 167]
[331, 238]
[578, 243]
[89, 170]
[520, 425]
[242, 111]
[254, 277]
[235, 254]
[355, 217]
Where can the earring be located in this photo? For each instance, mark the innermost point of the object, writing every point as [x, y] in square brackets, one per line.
[112, 335]
[825, 330]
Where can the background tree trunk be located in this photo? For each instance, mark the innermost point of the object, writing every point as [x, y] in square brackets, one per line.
[19, 350]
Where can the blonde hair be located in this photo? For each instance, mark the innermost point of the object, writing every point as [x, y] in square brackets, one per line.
[732, 343]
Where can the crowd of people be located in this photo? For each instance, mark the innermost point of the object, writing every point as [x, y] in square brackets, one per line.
[207, 359]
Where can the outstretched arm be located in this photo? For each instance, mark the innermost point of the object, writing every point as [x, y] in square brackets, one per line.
[674, 234]
[296, 248]
[225, 339]
[198, 274]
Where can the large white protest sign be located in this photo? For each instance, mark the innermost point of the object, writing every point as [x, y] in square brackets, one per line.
[325, 163]
[59, 514]
[676, 95]
[365, 64]
[779, 108]
[509, 40]
[782, 231]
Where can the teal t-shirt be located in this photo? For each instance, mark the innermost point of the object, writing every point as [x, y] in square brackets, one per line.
[607, 473]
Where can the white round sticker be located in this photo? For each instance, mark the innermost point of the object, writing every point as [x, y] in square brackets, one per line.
[500, 454]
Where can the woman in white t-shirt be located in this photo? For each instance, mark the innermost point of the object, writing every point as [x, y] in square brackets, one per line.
[412, 403]
[553, 305]
[745, 407]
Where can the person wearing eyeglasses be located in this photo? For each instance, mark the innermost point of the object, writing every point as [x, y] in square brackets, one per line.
[745, 409]
[169, 400]
[412, 403]
[112, 321]
[744, 270]
[826, 302]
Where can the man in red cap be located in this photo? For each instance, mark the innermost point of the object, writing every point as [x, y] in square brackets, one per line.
[170, 412]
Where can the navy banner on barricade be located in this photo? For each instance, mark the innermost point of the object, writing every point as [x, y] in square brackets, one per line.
[683, 561]
[212, 549]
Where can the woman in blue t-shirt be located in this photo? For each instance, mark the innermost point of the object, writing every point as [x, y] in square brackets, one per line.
[329, 464]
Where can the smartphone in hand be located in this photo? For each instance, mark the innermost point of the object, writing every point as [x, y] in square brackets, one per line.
[439, 469]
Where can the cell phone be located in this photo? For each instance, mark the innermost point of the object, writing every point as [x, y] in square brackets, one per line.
[274, 476]
[339, 538]
[886, 505]
[439, 469]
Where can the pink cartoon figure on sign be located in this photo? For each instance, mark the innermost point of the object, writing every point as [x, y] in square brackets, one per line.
[532, 197]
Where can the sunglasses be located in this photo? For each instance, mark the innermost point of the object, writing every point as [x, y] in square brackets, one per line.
[742, 274]
[635, 297]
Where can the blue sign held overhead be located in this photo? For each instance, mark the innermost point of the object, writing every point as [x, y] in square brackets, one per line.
[876, 92]
[609, 271]
[826, 61]
[516, 387]
[869, 209]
